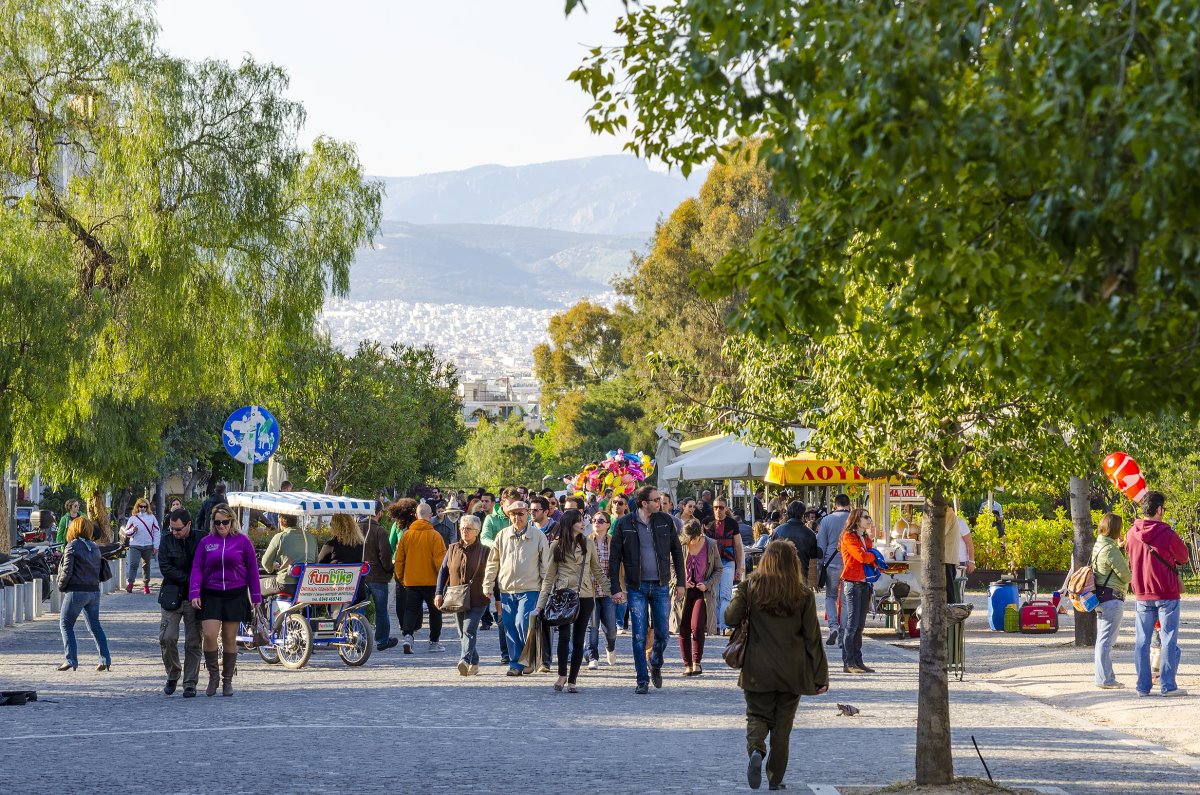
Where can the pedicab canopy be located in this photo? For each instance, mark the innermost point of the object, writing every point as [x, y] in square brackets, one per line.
[300, 503]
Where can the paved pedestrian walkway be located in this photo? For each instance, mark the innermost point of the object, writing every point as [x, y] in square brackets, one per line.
[410, 723]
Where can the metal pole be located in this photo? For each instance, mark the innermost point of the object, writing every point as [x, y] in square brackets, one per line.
[249, 486]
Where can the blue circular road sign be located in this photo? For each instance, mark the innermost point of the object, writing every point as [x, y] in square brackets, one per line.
[251, 434]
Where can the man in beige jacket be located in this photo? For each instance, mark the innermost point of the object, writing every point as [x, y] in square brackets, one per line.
[518, 563]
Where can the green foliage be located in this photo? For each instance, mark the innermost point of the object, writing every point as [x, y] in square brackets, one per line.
[586, 342]
[1021, 511]
[685, 366]
[1044, 544]
[1011, 160]
[381, 418]
[586, 425]
[502, 453]
[184, 240]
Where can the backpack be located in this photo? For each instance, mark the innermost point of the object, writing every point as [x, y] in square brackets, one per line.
[1081, 590]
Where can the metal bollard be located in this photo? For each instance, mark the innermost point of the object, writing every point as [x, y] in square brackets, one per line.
[18, 595]
[120, 580]
[37, 599]
[27, 601]
[55, 601]
[4, 622]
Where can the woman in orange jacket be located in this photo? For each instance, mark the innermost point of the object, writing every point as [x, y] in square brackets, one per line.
[855, 546]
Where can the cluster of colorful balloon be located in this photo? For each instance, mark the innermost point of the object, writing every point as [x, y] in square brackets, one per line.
[619, 471]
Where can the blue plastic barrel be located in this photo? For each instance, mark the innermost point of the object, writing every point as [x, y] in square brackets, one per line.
[1001, 594]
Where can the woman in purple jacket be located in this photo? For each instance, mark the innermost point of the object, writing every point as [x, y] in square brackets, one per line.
[224, 584]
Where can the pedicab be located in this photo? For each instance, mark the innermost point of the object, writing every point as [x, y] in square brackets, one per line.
[321, 612]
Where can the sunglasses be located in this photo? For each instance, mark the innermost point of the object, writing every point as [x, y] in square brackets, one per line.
[181, 529]
[221, 522]
[599, 521]
[619, 502]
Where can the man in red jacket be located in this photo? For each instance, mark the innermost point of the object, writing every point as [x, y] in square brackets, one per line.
[1155, 552]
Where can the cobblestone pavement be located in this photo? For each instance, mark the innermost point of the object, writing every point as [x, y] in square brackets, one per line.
[410, 723]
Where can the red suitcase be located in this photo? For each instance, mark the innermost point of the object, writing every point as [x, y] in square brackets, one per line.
[1039, 616]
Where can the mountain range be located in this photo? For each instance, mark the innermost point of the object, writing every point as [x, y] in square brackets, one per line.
[541, 235]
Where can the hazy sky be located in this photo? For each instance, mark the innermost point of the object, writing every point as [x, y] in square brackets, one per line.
[419, 85]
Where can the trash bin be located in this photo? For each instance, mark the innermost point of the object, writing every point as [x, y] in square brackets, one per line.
[1001, 594]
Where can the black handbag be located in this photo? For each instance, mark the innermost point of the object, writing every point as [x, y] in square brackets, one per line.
[105, 571]
[562, 607]
[170, 596]
[734, 652]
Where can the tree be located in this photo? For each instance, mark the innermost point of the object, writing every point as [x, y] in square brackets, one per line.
[185, 241]
[501, 453]
[586, 342]
[680, 330]
[1012, 162]
[586, 425]
[380, 418]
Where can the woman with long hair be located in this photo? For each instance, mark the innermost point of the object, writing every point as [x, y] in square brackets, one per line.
[573, 565]
[345, 544]
[79, 583]
[696, 614]
[223, 586]
[1111, 570]
[143, 534]
[855, 546]
[784, 658]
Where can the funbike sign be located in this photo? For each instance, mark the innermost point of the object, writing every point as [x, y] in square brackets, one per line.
[328, 584]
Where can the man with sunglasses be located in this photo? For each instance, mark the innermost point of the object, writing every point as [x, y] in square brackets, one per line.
[646, 544]
[176, 553]
[725, 531]
[517, 565]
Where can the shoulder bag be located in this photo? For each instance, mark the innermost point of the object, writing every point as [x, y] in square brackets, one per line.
[456, 597]
[735, 651]
[562, 607]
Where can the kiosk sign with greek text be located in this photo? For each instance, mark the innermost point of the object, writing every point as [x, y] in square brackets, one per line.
[328, 584]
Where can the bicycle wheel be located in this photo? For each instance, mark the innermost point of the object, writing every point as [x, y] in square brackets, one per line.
[295, 645]
[360, 637]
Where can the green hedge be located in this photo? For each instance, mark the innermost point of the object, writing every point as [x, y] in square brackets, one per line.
[1042, 543]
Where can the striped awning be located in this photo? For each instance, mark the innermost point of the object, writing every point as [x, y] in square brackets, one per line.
[300, 503]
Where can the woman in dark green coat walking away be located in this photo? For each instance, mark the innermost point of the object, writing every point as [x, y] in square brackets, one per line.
[784, 660]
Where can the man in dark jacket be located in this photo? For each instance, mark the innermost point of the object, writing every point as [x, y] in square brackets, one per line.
[802, 538]
[377, 552]
[213, 500]
[645, 542]
[176, 552]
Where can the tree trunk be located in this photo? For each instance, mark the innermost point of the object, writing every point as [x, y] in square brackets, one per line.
[121, 508]
[935, 762]
[6, 536]
[98, 513]
[1081, 554]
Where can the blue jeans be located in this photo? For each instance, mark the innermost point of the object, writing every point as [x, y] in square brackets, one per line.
[88, 603]
[1108, 623]
[383, 622]
[133, 557]
[725, 594]
[619, 612]
[857, 595]
[606, 615]
[833, 584]
[515, 610]
[649, 596]
[1166, 612]
[468, 633]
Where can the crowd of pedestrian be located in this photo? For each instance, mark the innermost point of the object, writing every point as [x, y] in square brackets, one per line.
[554, 575]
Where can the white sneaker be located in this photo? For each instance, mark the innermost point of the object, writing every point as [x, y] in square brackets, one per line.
[1179, 691]
[593, 665]
[435, 647]
[473, 670]
[408, 644]
[1113, 686]
[612, 658]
